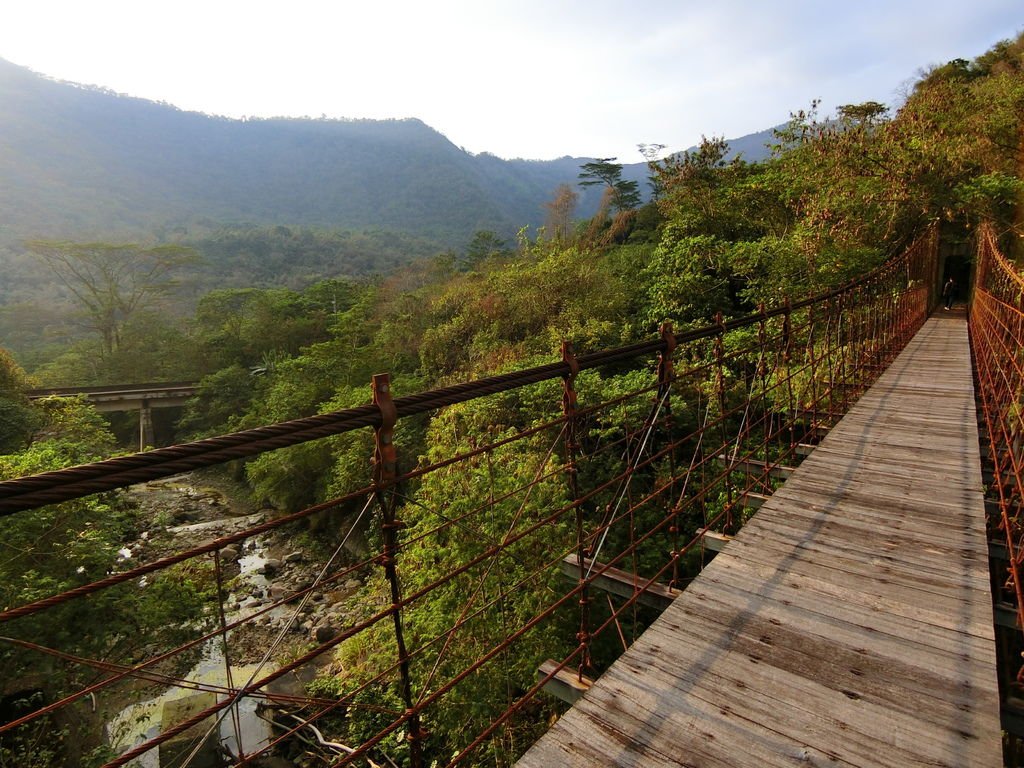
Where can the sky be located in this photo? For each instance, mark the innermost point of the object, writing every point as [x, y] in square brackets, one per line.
[536, 79]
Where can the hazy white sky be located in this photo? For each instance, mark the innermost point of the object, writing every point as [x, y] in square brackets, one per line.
[523, 78]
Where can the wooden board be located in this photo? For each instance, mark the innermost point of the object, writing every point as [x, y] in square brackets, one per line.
[849, 622]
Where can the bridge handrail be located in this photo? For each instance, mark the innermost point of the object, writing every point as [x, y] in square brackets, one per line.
[997, 346]
[85, 479]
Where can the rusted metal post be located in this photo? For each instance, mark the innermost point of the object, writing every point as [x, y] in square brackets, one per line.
[761, 376]
[787, 359]
[719, 352]
[666, 376]
[569, 407]
[385, 472]
[846, 330]
[813, 360]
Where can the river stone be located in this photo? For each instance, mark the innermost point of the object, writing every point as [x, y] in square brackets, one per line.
[183, 515]
[272, 761]
[353, 584]
[270, 567]
[322, 633]
[277, 592]
[175, 750]
[230, 554]
[293, 557]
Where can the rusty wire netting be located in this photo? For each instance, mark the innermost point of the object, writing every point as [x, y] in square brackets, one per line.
[997, 345]
[538, 528]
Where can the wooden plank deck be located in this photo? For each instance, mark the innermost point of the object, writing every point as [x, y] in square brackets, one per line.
[849, 622]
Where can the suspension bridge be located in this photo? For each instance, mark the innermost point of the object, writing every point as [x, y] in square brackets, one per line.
[779, 544]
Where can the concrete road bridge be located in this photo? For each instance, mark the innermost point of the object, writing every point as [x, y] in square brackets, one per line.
[143, 398]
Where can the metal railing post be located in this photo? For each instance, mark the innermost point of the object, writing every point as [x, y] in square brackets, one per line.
[385, 472]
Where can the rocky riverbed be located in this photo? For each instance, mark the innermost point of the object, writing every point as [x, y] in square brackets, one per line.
[183, 513]
[187, 511]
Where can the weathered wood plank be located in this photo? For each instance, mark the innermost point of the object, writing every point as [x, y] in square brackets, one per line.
[912, 585]
[751, 500]
[755, 467]
[799, 707]
[874, 675]
[713, 540]
[564, 684]
[621, 583]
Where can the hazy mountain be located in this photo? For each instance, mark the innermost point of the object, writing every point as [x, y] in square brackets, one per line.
[753, 147]
[82, 162]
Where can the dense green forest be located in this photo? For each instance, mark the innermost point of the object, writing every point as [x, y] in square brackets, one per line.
[838, 194]
[40, 311]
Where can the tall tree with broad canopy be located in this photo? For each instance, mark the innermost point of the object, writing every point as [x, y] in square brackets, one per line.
[605, 171]
[110, 283]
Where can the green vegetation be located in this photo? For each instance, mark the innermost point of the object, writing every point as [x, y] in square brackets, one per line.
[723, 235]
[62, 546]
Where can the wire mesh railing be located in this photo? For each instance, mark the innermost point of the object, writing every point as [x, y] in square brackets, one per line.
[543, 518]
[997, 346]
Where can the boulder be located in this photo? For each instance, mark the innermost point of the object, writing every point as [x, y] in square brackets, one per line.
[278, 592]
[322, 633]
[177, 749]
[271, 761]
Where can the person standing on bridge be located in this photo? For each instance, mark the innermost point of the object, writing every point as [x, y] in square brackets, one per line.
[949, 292]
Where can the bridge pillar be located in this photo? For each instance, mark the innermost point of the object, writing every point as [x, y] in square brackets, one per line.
[146, 435]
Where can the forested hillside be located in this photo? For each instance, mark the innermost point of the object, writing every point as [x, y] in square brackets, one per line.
[86, 163]
[89, 164]
[840, 194]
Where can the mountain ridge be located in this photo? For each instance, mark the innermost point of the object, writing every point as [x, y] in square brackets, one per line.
[87, 163]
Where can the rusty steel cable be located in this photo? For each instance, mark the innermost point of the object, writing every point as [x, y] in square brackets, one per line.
[83, 480]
